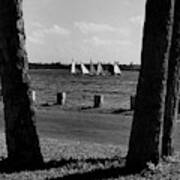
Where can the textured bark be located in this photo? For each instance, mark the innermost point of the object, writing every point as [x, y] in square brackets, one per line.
[21, 137]
[172, 97]
[144, 144]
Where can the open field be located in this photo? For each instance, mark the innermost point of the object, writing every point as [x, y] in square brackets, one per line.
[81, 89]
[86, 143]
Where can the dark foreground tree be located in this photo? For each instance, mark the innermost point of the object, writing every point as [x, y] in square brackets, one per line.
[144, 145]
[21, 137]
[172, 97]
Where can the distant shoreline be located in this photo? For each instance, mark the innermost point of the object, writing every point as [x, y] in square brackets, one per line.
[127, 67]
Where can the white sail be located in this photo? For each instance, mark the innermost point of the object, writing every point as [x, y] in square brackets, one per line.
[117, 69]
[92, 69]
[73, 67]
[99, 69]
[84, 69]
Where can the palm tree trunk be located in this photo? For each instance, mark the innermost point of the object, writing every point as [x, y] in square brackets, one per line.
[21, 137]
[172, 97]
[144, 144]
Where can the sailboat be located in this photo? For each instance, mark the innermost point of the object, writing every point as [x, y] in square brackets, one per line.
[117, 70]
[84, 69]
[92, 68]
[73, 67]
[99, 69]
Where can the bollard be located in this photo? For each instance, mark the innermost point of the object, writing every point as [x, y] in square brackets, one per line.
[98, 101]
[61, 98]
[132, 102]
[33, 96]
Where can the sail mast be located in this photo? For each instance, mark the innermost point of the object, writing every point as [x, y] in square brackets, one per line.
[92, 69]
[99, 69]
[73, 67]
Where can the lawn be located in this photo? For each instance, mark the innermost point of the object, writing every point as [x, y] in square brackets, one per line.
[87, 145]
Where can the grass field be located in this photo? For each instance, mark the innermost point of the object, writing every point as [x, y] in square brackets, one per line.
[89, 126]
[85, 126]
[86, 145]
[78, 142]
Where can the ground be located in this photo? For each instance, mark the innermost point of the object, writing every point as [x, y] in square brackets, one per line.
[87, 144]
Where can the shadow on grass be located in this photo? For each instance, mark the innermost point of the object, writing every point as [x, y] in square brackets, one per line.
[97, 174]
[86, 107]
[103, 168]
[123, 111]
[115, 168]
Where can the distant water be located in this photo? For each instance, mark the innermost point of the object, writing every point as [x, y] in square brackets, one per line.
[81, 89]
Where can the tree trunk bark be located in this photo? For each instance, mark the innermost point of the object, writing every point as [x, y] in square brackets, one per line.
[172, 97]
[21, 137]
[144, 144]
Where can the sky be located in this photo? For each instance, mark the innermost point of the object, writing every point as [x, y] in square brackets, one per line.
[101, 30]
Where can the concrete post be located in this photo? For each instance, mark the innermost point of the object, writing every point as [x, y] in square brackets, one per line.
[98, 101]
[61, 98]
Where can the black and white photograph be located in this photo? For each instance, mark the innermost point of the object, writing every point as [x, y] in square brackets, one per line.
[89, 89]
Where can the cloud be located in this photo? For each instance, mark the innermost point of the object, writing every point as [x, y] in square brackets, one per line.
[104, 42]
[138, 20]
[35, 40]
[91, 27]
[37, 25]
[55, 29]
[38, 35]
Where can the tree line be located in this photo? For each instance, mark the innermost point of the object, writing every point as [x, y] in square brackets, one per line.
[58, 65]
